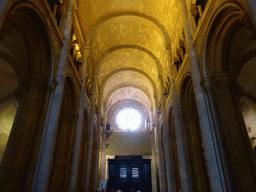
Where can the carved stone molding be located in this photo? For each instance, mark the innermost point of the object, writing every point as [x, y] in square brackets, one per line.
[207, 84]
[51, 85]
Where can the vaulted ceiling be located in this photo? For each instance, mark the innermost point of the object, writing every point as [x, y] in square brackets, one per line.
[128, 40]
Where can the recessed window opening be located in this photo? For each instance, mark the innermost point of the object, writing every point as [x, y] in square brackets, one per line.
[123, 173]
[135, 172]
[128, 119]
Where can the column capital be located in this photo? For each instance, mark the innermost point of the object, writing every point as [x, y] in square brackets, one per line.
[206, 84]
[51, 85]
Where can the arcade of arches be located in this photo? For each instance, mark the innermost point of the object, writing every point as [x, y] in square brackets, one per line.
[69, 67]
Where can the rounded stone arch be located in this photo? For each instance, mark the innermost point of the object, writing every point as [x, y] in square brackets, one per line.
[111, 50]
[128, 85]
[61, 167]
[186, 84]
[25, 39]
[75, 88]
[193, 136]
[112, 112]
[111, 16]
[36, 32]
[25, 32]
[129, 69]
[231, 51]
[218, 36]
[187, 95]
[71, 94]
[174, 148]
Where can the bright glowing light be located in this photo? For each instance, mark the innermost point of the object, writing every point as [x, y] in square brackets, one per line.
[128, 119]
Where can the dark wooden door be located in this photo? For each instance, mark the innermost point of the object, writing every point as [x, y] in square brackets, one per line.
[129, 174]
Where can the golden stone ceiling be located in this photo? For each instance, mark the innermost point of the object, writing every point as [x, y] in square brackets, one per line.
[128, 40]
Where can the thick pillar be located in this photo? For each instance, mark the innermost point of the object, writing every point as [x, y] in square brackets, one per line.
[154, 161]
[61, 168]
[168, 160]
[17, 164]
[91, 135]
[48, 143]
[104, 149]
[158, 151]
[160, 162]
[97, 160]
[241, 158]
[52, 83]
[103, 157]
[179, 132]
[208, 87]
[213, 166]
[196, 157]
[166, 142]
[79, 126]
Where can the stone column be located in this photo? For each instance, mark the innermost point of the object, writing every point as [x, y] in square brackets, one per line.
[104, 149]
[160, 161]
[168, 160]
[166, 143]
[64, 148]
[239, 152]
[207, 85]
[51, 84]
[198, 174]
[213, 166]
[181, 147]
[158, 150]
[154, 160]
[97, 160]
[251, 6]
[79, 126]
[48, 144]
[17, 164]
[91, 135]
